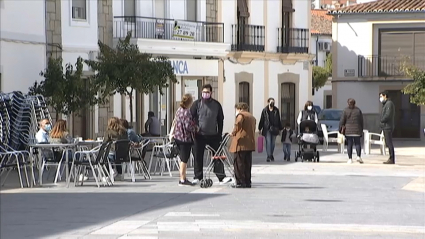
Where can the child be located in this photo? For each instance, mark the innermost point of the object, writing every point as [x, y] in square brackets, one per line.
[287, 135]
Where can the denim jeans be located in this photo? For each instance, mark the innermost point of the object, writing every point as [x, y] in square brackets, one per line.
[286, 151]
[270, 143]
[356, 141]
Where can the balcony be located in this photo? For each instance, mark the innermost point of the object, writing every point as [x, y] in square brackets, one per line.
[248, 38]
[169, 36]
[293, 40]
[161, 28]
[386, 66]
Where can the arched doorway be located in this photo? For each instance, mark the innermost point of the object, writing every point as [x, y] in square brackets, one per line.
[287, 102]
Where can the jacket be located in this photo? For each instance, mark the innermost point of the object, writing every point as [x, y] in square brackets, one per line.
[209, 116]
[352, 119]
[243, 133]
[387, 115]
[266, 123]
[284, 133]
[184, 127]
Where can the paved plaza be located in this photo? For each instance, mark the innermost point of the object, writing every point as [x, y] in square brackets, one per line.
[330, 199]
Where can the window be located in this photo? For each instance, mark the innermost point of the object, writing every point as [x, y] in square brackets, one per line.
[79, 9]
[398, 45]
[286, 21]
[287, 100]
[244, 92]
[191, 10]
[130, 10]
[328, 101]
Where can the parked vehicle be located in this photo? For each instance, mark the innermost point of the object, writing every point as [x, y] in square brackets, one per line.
[329, 117]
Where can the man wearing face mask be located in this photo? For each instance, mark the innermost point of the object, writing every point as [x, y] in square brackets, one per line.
[209, 117]
[270, 126]
[387, 124]
[42, 135]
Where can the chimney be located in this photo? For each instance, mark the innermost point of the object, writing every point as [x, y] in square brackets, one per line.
[316, 4]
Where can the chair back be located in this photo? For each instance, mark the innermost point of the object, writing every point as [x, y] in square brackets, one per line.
[103, 151]
[122, 150]
[325, 132]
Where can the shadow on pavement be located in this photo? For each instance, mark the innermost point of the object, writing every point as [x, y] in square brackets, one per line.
[41, 215]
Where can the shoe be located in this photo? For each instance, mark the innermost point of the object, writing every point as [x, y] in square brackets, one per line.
[268, 160]
[359, 160]
[272, 158]
[248, 186]
[83, 178]
[225, 180]
[350, 161]
[389, 161]
[185, 183]
[119, 177]
[238, 186]
[104, 179]
[195, 181]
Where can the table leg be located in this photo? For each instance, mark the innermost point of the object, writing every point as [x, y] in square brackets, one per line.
[31, 158]
[67, 164]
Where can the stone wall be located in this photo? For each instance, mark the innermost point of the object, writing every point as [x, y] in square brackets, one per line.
[105, 28]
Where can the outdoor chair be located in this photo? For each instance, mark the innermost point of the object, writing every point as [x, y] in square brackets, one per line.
[122, 156]
[380, 141]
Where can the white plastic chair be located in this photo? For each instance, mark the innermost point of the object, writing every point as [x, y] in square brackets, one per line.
[380, 141]
[327, 140]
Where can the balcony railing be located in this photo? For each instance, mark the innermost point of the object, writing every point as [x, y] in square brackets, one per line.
[293, 40]
[248, 38]
[384, 66]
[168, 29]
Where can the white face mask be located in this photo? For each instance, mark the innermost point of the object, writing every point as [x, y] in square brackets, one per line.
[309, 107]
[381, 99]
[236, 113]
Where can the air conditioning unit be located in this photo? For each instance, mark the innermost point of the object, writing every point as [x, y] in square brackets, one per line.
[78, 13]
[326, 46]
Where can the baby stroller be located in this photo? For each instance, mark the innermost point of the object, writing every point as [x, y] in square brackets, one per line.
[307, 142]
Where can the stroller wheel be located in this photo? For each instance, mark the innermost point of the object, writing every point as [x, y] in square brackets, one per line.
[209, 182]
[203, 183]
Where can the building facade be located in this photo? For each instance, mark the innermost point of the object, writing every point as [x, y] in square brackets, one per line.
[370, 42]
[321, 44]
[237, 46]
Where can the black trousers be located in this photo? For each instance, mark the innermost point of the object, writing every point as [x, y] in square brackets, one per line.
[199, 148]
[242, 166]
[388, 134]
[356, 141]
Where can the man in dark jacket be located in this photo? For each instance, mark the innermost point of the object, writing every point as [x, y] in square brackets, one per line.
[270, 126]
[208, 115]
[387, 124]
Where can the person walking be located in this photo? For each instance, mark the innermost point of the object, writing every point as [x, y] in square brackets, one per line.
[387, 124]
[351, 125]
[184, 130]
[209, 117]
[308, 113]
[270, 126]
[243, 144]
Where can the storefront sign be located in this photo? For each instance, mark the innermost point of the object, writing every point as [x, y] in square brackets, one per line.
[184, 30]
[180, 67]
[349, 72]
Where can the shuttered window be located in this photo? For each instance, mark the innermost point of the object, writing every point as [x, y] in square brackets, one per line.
[397, 46]
[287, 101]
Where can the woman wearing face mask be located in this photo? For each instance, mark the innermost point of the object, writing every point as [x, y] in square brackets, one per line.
[351, 125]
[270, 126]
[308, 113]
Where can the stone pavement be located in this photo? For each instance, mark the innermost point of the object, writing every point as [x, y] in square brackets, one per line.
[330, 199]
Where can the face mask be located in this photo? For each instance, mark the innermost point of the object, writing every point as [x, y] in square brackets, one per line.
[47, 127]
[206, 95]
[287, 129]
[236, 113]
[272, 104]
[309, 107]
[381, 99]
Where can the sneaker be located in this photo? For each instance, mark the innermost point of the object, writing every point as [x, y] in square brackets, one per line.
[268, 160]
[119, 177]
[272, 158]
[83, 178]
[195, 181]
[185, 183]
[359, 160]
[104, 179]
[225, 180]
[350, 161]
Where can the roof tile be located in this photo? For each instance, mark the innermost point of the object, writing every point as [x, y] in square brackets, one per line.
[382, 6]
[321, 23]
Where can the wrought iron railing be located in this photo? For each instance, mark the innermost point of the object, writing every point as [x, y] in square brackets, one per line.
[384, 66]
[248, 37]
[293, 40]
[168, 29]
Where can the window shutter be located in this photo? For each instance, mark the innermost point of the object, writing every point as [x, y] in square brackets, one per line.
[243, 8]
[287, 6]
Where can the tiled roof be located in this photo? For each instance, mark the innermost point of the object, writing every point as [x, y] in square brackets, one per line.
[321, 23]
[382, 6]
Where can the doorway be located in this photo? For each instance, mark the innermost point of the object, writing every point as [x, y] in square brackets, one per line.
[287, 102]
[407, 116]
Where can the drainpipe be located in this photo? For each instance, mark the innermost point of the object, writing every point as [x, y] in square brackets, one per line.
[317, 50]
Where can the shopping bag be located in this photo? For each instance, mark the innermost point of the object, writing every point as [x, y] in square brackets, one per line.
[260, 144]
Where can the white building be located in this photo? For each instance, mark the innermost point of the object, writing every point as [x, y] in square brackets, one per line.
[248, 50]
[23, 44]
[370, 41]
[321, 43]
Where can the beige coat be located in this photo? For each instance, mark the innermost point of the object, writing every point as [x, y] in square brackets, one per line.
[243, 133]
